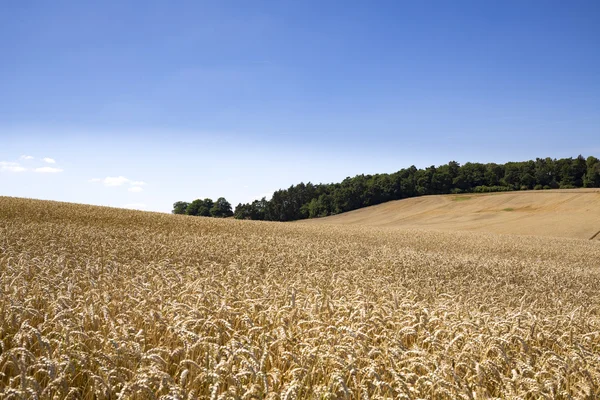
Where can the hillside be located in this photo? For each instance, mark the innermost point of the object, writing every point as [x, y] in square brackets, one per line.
[105, 303]
[573, 213]
[305, 201]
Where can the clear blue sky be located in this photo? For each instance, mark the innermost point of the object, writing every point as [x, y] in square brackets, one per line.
[142, 103]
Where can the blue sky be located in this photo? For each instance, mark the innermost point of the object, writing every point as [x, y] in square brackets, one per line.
[143, 103]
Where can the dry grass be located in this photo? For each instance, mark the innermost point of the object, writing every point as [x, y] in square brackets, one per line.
[573, 213]
[100, 303]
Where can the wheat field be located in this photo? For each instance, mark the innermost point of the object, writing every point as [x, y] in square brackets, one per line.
[573, 213]
[102, 303]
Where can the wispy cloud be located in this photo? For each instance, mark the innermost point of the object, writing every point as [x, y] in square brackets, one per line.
[49, 160]
[115, 181]
[111, 181]
[9, 166]
[26, 157]
[48, 170]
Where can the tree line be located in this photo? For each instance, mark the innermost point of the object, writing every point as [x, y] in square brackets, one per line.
[308, 200]
[204, 208]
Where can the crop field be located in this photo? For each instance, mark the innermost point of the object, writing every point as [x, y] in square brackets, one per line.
[102, 303]
[571, 213]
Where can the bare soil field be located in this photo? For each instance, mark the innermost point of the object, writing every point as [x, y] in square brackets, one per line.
[103, 303]
[573, 213]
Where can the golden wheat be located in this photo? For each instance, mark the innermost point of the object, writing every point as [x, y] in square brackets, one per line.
[100, 303]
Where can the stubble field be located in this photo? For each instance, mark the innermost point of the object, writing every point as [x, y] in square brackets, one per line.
[572, 213]
[100, 303]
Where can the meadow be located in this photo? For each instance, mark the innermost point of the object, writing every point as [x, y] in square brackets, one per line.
[103, 303]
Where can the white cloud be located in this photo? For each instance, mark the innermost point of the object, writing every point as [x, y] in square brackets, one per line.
[9, 166]
[136, 206]
[115, 181]
[120, 181]
[25, 157]
[48, 170]
[49, 160]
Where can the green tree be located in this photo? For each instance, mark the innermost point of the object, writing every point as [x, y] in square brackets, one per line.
[527, 180]
[579, 169]
[566, 173]
[179, 207]
[200, 208]
[544, 171]
[221, 208]
[242, 211]
[319, 207]
[592, 175]
[309, 201]
[205, 207]
[512, 175]
[470, 176]
[192, 208]
[493, 174]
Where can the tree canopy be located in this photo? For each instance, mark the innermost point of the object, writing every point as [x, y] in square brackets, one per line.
[204, 208]
[310, 201]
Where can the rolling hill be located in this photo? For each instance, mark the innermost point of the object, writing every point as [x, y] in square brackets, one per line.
[573, 213]
[106, 303]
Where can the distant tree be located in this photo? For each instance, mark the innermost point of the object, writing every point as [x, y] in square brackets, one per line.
[423, 180]
[512, 175]
[469, 176]
[544, 171]
[205, 208]
[319, 207]
[221, 208]
[200, 208]
[592, 175]
[442, 178]
[260, 209]
[566, 174]
[493, 173]
[180, 207]
[527, 181]
[241, 211]
[193, 207]
[405, 182]
[453, 169]
[310, 201]
[579, 169]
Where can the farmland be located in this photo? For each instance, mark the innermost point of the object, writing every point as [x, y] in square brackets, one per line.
[103, 303]
[571, 213]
